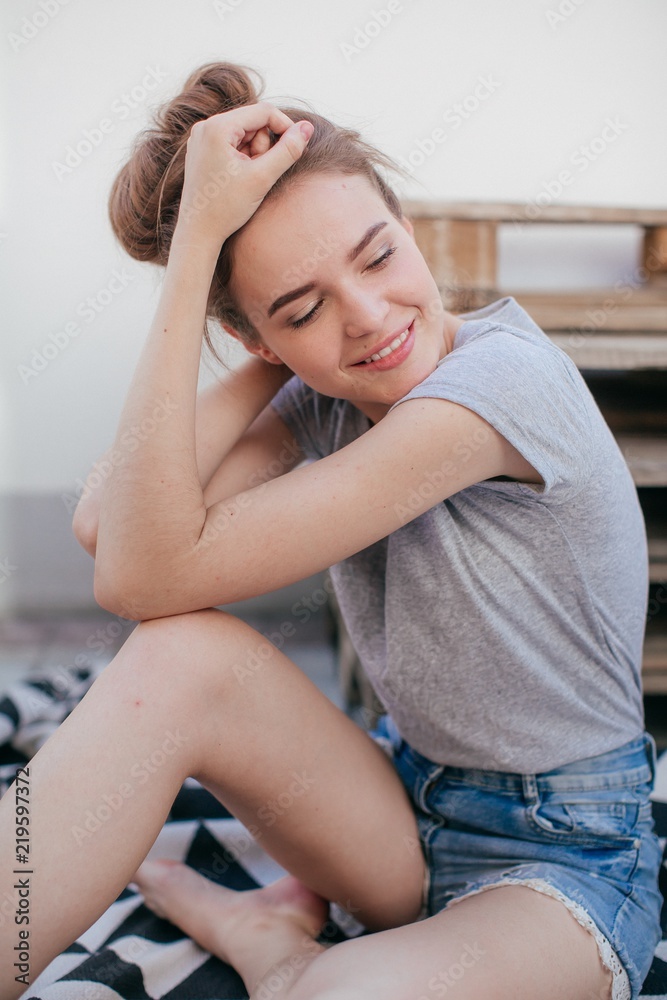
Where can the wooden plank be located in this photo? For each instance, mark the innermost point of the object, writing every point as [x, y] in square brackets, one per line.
[654, 683]
[528, 212]
[654, 507]
[654, 663]
[597, 310]
[460, 254]
[625, 351]
[646, 457]
[654, 250]
[657, 559]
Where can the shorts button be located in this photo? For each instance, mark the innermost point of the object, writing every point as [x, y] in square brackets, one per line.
[637, 844]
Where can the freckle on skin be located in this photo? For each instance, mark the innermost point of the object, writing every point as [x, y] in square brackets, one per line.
[138, 702]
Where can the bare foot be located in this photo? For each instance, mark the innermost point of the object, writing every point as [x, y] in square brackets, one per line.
[222, 920]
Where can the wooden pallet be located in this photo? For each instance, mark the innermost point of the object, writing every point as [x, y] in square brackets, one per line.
[460, 244]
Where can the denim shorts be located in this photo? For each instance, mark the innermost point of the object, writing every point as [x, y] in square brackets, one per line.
[582, 833]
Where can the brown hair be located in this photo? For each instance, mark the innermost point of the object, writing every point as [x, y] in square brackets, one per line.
[145, 196]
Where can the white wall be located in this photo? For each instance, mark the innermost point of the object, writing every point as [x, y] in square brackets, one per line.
[556, 78]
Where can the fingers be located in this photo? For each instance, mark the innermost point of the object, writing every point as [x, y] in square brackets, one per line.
[260, 143]
[238, 144]
[286, 151]
[253, 117]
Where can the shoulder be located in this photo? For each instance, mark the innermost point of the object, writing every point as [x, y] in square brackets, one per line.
[501, 350]
[507, 371]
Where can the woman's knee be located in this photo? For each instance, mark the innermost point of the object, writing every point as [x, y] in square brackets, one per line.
[200, 652]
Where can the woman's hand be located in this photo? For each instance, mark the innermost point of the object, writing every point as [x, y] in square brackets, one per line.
[230, 166]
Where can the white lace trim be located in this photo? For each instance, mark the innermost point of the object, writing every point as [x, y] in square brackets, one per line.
[620, 983]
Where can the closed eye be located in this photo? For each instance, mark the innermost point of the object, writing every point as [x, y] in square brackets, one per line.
[375, 265]
[382, 260]
[296, 323]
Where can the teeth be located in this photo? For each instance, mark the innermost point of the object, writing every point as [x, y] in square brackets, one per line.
[387, 350]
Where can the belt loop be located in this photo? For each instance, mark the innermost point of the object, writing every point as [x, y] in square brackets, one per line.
[530, 787]
[651, 754]
[422, 793]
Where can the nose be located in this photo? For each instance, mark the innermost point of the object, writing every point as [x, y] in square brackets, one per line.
[364, 313]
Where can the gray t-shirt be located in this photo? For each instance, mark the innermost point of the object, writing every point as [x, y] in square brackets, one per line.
[502, 628]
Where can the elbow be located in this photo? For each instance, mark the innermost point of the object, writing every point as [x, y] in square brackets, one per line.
[133, 600]
[85, 532]
[116, 597]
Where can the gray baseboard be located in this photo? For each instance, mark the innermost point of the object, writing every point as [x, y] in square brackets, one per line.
[43, 569]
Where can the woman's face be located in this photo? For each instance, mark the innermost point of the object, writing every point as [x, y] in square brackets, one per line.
[328, 277]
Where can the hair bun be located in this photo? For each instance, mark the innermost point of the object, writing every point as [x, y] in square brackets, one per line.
[229, 85]
[144, 198]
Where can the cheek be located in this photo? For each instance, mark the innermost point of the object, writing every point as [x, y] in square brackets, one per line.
[314, 366]
[414, 272]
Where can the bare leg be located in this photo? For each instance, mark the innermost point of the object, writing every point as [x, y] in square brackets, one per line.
[203, 694]
[508, 943]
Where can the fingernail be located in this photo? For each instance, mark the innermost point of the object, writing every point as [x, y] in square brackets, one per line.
[307, 130]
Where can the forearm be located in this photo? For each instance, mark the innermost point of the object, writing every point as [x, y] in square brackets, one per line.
[153, 509]
[224, 411]
[153, 499]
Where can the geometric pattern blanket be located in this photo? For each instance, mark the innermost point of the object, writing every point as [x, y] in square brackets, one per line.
[132, 954]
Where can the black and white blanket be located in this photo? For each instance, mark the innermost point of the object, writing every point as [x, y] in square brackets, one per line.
[129, 952]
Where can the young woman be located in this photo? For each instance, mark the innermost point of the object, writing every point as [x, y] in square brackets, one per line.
[488, 553]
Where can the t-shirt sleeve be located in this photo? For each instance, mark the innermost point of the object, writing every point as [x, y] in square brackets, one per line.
[532, 394]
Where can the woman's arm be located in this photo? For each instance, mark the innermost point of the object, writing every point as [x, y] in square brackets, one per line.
[153, 501]
[235, 443]
[274, 534]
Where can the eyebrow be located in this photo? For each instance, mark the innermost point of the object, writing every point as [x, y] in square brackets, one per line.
[289, 297]
[369, 235]
[296, 293]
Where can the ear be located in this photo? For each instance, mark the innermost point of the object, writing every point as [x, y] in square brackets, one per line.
[407, 225]
[261, 350]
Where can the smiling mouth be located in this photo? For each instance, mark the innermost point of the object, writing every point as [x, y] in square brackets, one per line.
[389, 349]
